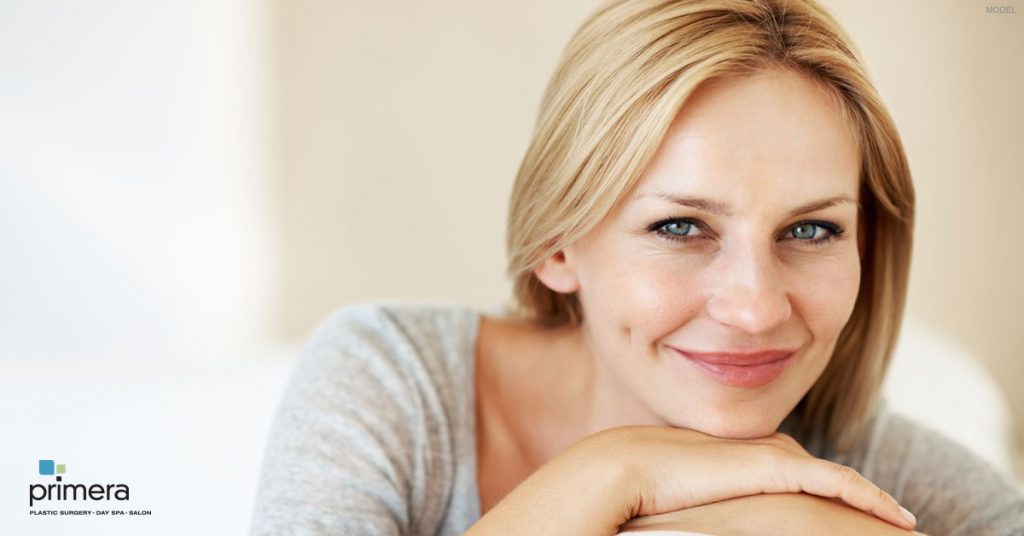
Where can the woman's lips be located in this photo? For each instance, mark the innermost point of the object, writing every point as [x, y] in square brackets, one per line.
[740, 370]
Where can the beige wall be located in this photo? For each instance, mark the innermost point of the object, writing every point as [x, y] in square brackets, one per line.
[401, 129]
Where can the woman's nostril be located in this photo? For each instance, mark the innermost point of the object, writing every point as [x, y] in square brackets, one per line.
[745, 306]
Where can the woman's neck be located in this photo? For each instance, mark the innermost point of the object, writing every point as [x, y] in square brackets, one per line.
[547, 390]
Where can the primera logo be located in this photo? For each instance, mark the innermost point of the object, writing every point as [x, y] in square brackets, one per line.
[71, 492]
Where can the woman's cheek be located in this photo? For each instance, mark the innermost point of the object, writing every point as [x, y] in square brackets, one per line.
[827, 292]
[660, 294]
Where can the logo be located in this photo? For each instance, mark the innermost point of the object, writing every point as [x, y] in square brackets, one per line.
[67, 491]
[47, 467]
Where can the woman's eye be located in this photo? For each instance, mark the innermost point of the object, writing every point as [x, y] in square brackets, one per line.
[678, 228]
[817, 233]
[806, 231]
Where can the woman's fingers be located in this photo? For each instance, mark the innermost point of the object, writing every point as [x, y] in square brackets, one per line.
[833, 480]
[828, 479]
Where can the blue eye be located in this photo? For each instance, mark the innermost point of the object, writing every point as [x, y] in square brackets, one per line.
[809, 233]
[805, 230]
[677, 228]
[815, 233]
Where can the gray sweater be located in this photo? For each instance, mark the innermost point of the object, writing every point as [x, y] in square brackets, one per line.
[376, 435]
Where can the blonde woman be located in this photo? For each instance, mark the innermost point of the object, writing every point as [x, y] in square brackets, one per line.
[709, 239]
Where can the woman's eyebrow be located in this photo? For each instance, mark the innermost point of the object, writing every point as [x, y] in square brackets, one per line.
[818, 205]
[722, 209]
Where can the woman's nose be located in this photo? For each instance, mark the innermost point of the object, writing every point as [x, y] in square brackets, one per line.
[748, 291]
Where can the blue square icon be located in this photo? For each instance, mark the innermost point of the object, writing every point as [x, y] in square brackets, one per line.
[46, 467]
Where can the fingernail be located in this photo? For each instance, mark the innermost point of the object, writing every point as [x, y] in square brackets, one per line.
[908, 516]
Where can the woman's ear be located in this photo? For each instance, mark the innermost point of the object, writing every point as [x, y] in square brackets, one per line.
[557, 275]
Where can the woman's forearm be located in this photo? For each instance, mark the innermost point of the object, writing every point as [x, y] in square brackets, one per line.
[560, 500]
[795, 514]
[606, 479]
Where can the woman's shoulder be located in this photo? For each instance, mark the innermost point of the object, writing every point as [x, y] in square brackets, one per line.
[415, 327]
[374, 430]
[893, 435]
[444, 320]
[397, 343]
[949, 488]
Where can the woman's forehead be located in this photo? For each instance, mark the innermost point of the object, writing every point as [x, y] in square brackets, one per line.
[773, 135]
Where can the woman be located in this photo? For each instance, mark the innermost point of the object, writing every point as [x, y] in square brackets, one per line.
[709, 239]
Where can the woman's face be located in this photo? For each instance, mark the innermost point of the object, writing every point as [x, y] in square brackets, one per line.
[741, 237]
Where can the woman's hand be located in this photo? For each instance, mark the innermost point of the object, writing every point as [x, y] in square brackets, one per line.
[608, 478]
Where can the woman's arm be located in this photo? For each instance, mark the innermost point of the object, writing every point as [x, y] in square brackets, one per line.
[794, 514]
[613, 476]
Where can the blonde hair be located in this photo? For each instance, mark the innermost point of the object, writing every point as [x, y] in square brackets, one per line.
[621, 81]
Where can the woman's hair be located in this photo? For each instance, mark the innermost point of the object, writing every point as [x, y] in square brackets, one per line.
[620, 83]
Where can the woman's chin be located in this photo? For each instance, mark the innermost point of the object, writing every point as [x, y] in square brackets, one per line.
[735, 426]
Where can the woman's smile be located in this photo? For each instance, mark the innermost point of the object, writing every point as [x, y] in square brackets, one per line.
[739, 370]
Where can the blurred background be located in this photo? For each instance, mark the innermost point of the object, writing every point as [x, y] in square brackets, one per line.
[187, 187]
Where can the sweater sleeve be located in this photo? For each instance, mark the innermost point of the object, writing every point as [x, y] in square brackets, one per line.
[346, 453]
[951, 491]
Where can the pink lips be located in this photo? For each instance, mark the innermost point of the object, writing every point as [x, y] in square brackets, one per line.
[740, 370]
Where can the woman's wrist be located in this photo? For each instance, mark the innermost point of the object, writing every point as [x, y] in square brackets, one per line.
[569, 495]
